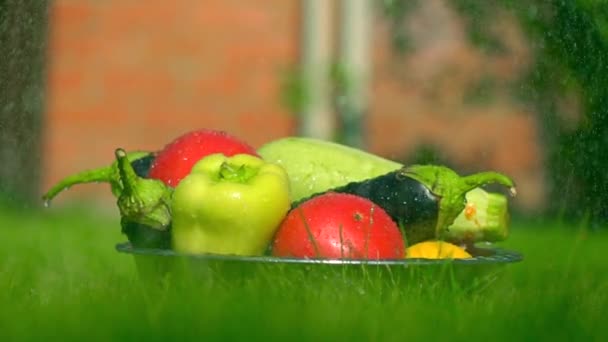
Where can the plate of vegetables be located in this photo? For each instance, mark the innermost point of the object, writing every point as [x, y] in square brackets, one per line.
[209, 203]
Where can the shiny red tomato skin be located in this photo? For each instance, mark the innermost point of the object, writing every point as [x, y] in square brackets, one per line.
[343, 226]
[176, 159]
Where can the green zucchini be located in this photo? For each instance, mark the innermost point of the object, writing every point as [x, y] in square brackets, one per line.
[316, 165]
[485, 218]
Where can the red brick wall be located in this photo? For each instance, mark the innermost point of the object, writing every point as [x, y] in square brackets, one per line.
[135, 74]
[421, 97]
[138, 73]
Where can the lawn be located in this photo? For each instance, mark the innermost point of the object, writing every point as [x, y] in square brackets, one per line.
[60, 277]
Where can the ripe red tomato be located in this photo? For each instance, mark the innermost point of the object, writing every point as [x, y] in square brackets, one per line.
[176, 159]
[342, 226]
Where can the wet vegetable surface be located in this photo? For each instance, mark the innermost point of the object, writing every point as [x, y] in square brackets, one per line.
[423, 199]
[142, 165]
[138, 233]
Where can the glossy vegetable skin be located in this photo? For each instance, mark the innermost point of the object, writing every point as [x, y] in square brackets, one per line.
[229, 205]
[484, 218]
[423, 199]
[316, 165]
[176, 159]
[142, 165]
[408, 202]
[144, 205]
[338, 226]
[437, 250]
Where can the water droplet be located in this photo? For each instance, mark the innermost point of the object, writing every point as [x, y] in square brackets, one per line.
[46, 203]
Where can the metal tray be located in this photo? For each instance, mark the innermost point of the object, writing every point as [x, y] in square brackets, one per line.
[158, 264]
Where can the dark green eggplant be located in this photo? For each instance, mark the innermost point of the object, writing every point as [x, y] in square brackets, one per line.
[143, 203]
[142, 165]
[423, 199]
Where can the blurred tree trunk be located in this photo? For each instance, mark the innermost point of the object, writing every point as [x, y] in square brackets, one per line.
[317, 117]
[23, 32]
[355, 49]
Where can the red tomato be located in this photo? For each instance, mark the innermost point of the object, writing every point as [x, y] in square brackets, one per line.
[342, 226]
[176, 160]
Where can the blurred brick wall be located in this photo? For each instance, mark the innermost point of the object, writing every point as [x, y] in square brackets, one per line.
[136, 74]
[126, 74]
[423, 98]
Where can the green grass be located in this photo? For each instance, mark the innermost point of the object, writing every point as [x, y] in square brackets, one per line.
[60, 277]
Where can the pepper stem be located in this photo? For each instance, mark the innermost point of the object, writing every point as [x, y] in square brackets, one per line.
[237, 173]
[128, 177]
[482, 178]
[103, 174]
[227, 171]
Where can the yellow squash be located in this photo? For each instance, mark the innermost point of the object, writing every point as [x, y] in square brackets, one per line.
[437, 250]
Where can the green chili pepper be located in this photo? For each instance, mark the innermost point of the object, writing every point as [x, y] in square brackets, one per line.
[142, 200]
[145, 206]
[108, 174]
[229, 205]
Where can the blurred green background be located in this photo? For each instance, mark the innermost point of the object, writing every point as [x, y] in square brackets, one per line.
[506, 85]
[516, 86]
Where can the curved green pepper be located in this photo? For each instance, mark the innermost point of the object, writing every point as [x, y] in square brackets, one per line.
[140, 161]
[144, 205]
[229, 205]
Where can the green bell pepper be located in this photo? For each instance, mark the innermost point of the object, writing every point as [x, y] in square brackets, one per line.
[229, 205]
